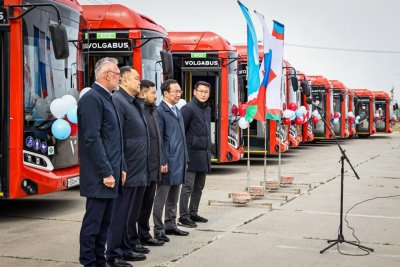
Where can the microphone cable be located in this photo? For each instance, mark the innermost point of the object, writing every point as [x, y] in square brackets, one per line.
[367, 252]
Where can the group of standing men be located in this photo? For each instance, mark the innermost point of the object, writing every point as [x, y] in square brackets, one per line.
[133, 153]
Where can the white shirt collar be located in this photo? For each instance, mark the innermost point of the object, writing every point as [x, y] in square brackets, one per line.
[168, 104]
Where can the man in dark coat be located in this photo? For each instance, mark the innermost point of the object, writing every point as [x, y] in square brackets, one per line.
[135, 138]
[102, 167]
[197, 117]
[174, 162]
[149, 96]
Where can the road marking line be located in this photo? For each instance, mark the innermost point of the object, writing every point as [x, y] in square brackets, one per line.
[351, 215]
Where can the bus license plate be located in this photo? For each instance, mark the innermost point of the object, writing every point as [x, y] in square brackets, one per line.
[74, 181]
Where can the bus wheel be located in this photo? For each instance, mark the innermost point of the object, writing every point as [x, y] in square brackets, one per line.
[363, 136]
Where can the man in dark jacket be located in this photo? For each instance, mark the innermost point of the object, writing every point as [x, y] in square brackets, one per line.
[135, 138]
[197, 117]
[149, 96]
[102, 168]
[174, 162]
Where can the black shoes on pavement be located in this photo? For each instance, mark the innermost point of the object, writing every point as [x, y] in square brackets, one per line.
[153, 242]
[117, 262]
[186, 222]
[138, 248]
[161, 237]
[198, 218]
[133, 256]
[176, 231]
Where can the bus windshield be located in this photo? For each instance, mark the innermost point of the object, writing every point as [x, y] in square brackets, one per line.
[319, 98]
[151, 59]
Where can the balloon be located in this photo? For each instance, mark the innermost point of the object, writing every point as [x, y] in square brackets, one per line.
[351, 119]
[83, 91]
[378, 118]
[351, 114]
[72, 114]
[235, 110]
[335, 120]
[336, 115]
[358, 118]
[303, 108]
[298, 121]
[74, 129]
[292, 106]
[43, 108]
[69, 100]
[181, 103]
[61, 129]
[314, 119]
[58, 108]
[315, 113]
[299, 113]
[286, 121]
[242, 110]
[243, 124]
[357, 121]
[292, 115]
[287, 113]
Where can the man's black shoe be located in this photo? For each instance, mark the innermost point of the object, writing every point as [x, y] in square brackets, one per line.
[117, 262]
[153, 242]
[186, 222]
[176, 231]
[132, 256]
[197, 218]
[161, 237]
[138, 248]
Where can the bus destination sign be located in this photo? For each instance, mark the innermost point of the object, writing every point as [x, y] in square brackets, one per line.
[107, 45]
[201, 63]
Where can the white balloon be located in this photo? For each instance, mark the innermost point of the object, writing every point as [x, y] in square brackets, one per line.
[243, 124]
[84, 91]
[358, 118]
[287, 113]
[181, 103]
[69, 100]
[43, 108]
[351, 114]
[58, 108]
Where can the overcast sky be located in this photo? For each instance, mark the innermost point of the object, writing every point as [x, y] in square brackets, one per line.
[354, 41]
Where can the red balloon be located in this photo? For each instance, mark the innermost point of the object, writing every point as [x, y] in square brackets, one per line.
[286, 121]
[336, 115]
[298, 121]
[378, 118]
[393, 120]
[314, 119]
[235, 110]
[292, 106]
[351, 119]
[242, 110]
[74, 128]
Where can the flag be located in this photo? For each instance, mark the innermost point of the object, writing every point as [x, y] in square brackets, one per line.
[253, 76]
[273, 96]
[264, 71]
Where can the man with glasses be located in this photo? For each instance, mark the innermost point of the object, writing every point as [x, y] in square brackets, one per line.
[102, 164]
[129, 201]
[197, 118]
[174, 160]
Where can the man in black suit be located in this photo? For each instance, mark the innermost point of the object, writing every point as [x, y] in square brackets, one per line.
[174, 160]
[102, 165]
[129, 201]
[197, 117]
[142, 235]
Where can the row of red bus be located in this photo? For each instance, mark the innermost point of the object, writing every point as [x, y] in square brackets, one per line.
[35, 69]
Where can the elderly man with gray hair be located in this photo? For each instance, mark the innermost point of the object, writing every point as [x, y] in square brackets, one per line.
[102, 164]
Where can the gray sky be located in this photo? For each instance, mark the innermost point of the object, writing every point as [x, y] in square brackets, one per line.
[364, 34]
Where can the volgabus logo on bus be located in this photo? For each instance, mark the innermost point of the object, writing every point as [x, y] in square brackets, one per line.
[204, 62]
[107, 45]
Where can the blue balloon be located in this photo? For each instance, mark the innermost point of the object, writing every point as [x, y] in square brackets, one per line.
[61, 129]
[72, 114]
[299, 113]
[336, 121]
[357, 122]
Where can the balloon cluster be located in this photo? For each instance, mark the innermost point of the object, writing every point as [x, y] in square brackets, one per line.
[316, 117]
[294, 114]
[336, 117]
[351, 117]
[64, 109]
[378, 116]
[245, 113]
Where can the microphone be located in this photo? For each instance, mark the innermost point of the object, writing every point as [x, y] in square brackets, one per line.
[310, 102]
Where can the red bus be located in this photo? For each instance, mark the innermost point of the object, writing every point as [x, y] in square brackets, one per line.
[206, 56]
[340, 108]
[321, 94]
[383, 112]
[132, 38]
[277, 134]
[36, 68]
[308, 135]
[364, 112]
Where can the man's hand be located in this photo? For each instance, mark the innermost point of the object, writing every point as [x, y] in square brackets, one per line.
[164, 168]
[123, 177]
[109, 181]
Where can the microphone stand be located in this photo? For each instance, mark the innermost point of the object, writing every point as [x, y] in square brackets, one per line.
[343, 157]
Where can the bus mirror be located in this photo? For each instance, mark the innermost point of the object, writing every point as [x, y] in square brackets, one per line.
[60, 41]
[295, 83]
[167, 64]
[305, 88]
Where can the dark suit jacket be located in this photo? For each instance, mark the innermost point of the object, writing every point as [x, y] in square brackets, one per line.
[172, 131]
[100, 144]
[135, 136]
[197, 119]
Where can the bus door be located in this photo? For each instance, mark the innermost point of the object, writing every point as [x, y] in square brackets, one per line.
[337, 107]
[363, 110]
[4, 105]
[190, 78]
[380, 114]
[319, 98]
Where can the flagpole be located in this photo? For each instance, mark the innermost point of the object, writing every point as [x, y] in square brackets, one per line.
[248, 158]
[265, 152]
[279, 155]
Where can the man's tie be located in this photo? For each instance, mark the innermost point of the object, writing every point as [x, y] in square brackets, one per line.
[174, 110]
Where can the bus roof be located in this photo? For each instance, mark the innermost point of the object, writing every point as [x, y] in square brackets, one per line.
[362, 92]
[71, 3]
[242, 51]
[198, 41]
[339, 85]
[118, 17]
[381, 94]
